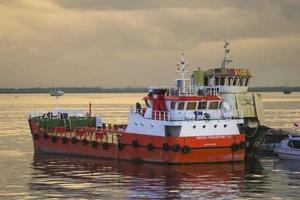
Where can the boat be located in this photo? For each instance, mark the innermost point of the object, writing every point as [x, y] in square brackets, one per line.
[182, 124]
[56, 92]
[272, 140]
[287, 90]
[289, 148]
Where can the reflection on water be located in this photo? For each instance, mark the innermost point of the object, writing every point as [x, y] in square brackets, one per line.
[55, 176]
[24, 176]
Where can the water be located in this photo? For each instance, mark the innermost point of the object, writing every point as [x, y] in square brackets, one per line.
[24, 176]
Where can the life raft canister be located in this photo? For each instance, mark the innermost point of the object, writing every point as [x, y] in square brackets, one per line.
[135, 143]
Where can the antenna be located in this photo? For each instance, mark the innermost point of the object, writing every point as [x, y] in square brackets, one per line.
[226, 60]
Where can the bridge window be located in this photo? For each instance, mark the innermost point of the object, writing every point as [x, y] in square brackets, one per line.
[213, 105]
[235, 80]
[230, 80]
[173, 103]
[180, 106]
[247, 81]
[202, 105]
[191, 106]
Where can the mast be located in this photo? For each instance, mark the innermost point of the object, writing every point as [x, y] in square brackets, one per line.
[182, 82]
[226, 60]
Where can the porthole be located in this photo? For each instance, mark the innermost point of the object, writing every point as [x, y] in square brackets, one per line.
[194, 126]
[215, 125]
[142, 124]
[136, 123]
[151, 125]
[225, 125]
[203, 126]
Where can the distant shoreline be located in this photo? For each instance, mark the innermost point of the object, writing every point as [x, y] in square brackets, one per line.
[120, 90]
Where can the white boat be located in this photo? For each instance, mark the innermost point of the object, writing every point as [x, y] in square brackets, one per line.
[56, 92]
[289, 148]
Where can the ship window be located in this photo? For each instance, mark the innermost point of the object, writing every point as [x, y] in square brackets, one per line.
[222, 82]
[173, 103]
[290, 144]
[242, 80]
[296, 144]
[180, 106]
[191, 105]
[235, 80]
[247, 81]
[230, 80]
[202, 105]
[213, 105]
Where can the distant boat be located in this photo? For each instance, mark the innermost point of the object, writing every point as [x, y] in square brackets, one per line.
[287, 90]
[289, 148]
[56, 92]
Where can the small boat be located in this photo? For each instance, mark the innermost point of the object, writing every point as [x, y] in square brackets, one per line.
[56, 92]
[271, 140]
[289, 148]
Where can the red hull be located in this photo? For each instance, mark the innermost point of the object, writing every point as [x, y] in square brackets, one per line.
[141, 152]
[136, 146]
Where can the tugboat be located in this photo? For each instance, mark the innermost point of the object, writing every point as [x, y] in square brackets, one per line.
[179, 125]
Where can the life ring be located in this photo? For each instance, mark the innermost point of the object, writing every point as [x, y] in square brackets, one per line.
[165, 147]
[74, 140]
[185, 149]
[150, 146]
[243, 145]
[120, 146]
[35, 136]
[176, 147]
[235, 147]
[64, 140]
[105, 145]
[135, 143]
[94, 144]
[84, 141]
[46, 136]
[53, 138]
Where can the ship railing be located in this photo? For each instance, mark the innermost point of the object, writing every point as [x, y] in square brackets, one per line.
[189, 91]
[155, 115]
[57, 114]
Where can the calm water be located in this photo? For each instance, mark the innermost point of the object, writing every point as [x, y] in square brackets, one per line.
[24, 176]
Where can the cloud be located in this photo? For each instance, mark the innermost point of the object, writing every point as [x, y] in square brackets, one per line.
[115, 44]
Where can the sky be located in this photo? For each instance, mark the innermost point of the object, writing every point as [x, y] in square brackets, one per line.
[137, 43]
